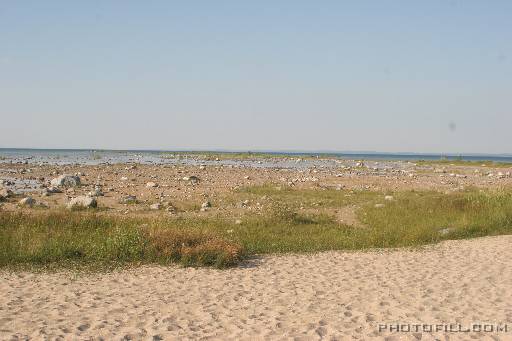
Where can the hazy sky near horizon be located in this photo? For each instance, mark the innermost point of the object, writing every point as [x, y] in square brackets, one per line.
[409, 76]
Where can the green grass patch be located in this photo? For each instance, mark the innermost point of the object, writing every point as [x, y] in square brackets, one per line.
[99, 240]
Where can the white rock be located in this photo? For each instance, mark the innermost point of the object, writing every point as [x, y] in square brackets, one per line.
[155, 207]
[205, 206]
[28, 201]
[96, 193]
[66, 180]
[151, 185]
[379, 205]
[83, 202]
[389, 198]
[5, 193]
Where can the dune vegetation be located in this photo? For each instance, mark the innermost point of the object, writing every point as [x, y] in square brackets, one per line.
[294, 220]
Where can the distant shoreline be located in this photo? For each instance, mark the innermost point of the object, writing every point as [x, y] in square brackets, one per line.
[368, 155]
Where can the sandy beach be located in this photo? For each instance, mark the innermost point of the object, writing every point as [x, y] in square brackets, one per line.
[325, 296]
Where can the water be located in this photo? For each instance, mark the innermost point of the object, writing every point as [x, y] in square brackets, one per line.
[293, 160]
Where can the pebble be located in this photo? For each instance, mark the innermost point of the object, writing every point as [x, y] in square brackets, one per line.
[155, 207]
[128, 199]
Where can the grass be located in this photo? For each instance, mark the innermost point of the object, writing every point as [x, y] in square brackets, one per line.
[87, 238]
[59, 238]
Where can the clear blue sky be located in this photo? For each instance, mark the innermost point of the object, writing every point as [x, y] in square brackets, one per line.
[418, 76]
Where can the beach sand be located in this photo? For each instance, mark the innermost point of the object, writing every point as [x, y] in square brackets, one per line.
[329, 296]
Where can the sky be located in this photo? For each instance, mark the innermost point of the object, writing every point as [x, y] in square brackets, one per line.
[387, 76]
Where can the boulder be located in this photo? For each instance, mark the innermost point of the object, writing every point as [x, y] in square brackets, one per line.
[5, 193]
[82, 202]
[66, 180]
[27, 202]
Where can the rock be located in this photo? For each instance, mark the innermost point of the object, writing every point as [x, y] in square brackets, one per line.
[193, 179]
[389, 198]
[205, 206]
[244, 203]
[96, 193]
[446, 230]
[128, 199]
[28, 201]
[82, 202]
[50, 190]
[155, 207]
[238, 222]
[124, 178]
[151, 185]
[5, 193]
[66, 181]
[379, 205]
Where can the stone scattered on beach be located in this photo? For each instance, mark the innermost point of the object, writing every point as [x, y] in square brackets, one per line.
[193, 179]
[82, 202]
[66, 180]
[205, 206]
[27, 202]
[128, 199]
[5, 193]
[50, 190]
[389, 198]
[151, 185]
[445, 230]
[379, 205]
[155, 207]
[96, 193]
